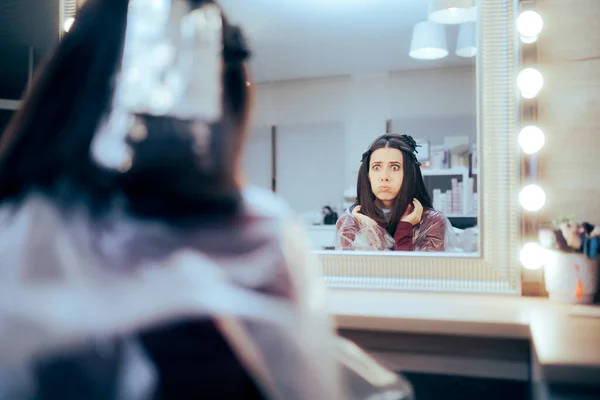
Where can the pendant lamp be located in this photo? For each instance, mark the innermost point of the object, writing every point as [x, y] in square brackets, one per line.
[428, 41]
[451, 11]
[466, 43]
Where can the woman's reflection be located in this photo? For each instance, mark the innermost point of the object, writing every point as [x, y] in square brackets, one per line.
[393, 209]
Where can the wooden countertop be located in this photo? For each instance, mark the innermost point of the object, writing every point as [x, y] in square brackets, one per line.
[567, 347]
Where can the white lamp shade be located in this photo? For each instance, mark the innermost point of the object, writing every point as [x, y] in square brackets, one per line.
[450, 11]
[466, 43]
[472, 14]
[428, 41]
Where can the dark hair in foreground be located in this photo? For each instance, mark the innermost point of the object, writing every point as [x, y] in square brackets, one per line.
[413, 186]
[46, 146]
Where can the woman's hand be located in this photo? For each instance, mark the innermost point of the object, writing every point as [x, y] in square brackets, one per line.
[413, 216]
[362, 218]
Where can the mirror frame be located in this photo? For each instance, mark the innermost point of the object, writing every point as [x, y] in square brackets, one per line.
[496, 268]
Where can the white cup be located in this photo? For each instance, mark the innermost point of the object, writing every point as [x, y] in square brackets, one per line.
[570, 277]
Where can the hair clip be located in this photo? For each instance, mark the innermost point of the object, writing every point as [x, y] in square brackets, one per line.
[172, 66]
[365, 155]
[236, 48]
[408, 149]
[410, 141]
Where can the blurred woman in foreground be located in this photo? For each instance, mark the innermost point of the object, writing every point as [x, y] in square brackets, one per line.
[135, 264]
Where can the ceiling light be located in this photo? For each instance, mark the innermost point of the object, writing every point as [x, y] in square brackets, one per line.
[465, 44]
[428, 41]
[472, 14]
[451, 11]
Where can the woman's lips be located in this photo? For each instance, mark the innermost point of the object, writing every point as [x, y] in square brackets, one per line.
[385, 188]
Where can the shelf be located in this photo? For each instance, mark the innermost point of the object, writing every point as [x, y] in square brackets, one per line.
[444, 172]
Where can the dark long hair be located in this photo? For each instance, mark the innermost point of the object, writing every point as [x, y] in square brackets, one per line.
[412, 187]
[46, 146]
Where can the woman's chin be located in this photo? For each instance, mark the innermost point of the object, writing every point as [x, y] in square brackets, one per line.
[385, 196]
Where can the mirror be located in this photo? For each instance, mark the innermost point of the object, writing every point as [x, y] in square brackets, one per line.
[332, 76]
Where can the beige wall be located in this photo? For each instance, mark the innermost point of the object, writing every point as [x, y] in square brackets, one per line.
[364, 103]
[569, 107]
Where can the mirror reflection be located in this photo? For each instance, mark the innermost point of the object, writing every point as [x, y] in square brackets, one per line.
[365, 121]
[393, 210]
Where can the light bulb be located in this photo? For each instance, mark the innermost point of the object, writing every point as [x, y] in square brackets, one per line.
[532, 198]
[529, 25]
[532, 256]
[68, 24]
[528, 40]
[530, 81]
[531, 139]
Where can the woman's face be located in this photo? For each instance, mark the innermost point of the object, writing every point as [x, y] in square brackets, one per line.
[386, 174]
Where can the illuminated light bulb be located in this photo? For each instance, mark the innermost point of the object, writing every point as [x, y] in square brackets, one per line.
[529, 25]
[532, 256]
[530, 81]
[532, 198]
[528, 40]
[531, 139]
[68, 24]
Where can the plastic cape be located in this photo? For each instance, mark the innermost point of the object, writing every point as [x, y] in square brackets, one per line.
[67, 284]
[433, 233]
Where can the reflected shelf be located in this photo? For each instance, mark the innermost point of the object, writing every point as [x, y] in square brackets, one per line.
[444, 171]
[461, 215]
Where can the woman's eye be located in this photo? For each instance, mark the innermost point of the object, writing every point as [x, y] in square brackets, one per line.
[395, 168]
[375, 167]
